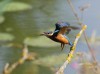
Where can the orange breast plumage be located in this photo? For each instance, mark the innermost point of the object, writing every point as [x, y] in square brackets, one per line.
[62, 39]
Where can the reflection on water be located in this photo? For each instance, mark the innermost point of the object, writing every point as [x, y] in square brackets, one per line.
[30, 23]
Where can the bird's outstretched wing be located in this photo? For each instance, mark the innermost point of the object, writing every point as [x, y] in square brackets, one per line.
[60, 25]
[61, 28]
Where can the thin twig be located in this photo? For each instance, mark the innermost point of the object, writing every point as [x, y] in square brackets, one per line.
[80, 23]
[70, 55]
[25, 56]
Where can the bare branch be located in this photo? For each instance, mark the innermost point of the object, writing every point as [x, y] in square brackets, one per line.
[81, 23]
[25, 56]
[70, 55]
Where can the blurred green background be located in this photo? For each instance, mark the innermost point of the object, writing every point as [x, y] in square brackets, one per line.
[22, 21]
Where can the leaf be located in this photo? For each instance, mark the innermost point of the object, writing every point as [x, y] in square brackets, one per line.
[16, 6]
[6, 37]
[2, 19]
[40, 42]
[51, 60]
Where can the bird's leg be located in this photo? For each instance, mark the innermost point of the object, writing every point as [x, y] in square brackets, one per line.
[62, 46]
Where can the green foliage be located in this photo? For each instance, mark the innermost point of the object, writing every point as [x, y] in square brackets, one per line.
[51, 61]
[6, 37]
[39, 41]
[2, 19]
[15, 6]
[8, 6]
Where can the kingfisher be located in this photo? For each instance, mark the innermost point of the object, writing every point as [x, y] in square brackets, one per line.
[59, 34]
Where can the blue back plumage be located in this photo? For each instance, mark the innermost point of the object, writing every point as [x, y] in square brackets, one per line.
[64, 24]
[59, 25]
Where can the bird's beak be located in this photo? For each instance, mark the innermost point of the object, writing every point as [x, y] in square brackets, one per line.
[42, 34]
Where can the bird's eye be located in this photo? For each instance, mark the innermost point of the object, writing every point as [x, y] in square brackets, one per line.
[48, 33]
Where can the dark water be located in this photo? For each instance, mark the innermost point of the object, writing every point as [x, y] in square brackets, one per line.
[43, 15]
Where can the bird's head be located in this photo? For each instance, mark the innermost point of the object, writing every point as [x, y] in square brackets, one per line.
[48, 34]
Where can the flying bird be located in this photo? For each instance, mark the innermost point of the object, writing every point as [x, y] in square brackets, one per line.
[59, 34]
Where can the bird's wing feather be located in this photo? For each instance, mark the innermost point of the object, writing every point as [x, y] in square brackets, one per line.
[74, 27]
[61, 28]
[67, 29]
